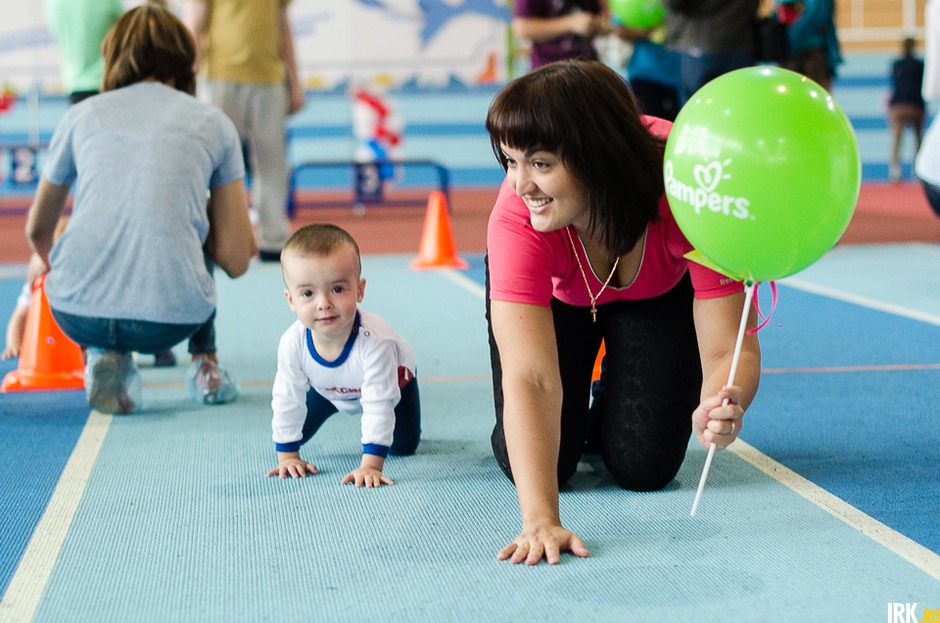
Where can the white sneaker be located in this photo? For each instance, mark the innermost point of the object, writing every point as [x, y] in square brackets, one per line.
[210, 383]
[112, 382]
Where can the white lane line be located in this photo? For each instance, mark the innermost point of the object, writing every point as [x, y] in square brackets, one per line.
[13, 271]
[464, 282]
[28, 583]
[930, 247]
[862, 301]
[911, 551]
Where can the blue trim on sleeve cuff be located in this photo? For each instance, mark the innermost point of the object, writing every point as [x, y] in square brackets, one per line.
[375, 449]
[291, 446]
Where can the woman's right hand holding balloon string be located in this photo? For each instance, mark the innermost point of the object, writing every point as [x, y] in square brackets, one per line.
[718, 419]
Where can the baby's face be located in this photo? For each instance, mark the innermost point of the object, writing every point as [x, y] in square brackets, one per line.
[324, 290]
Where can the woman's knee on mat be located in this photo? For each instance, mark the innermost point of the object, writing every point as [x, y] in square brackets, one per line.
[651, 476]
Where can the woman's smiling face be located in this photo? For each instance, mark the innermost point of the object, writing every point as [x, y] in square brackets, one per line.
[554, 196]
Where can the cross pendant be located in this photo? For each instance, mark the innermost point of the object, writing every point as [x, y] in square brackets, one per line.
[593, 314]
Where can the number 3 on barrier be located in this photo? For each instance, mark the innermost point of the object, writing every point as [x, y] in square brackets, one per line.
[368, 183]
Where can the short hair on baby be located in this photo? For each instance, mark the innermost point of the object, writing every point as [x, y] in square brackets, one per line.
[320, 239]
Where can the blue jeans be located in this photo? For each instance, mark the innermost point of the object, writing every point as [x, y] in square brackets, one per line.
[407, 418]
[137, 335]
[697, 69]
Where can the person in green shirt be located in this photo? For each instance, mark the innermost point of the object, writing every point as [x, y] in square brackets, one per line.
[79, 27]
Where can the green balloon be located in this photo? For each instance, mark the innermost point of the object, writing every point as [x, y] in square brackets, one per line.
[638, 13]
[762, 172]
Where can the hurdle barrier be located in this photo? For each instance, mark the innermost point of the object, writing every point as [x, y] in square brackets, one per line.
[369, 183]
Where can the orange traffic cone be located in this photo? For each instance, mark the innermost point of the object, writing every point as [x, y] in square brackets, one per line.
[49, 360]
[437, 241]
[597, 362]
[488, 75]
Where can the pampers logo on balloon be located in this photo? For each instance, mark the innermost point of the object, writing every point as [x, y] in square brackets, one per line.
[761, 196]
[705, 195]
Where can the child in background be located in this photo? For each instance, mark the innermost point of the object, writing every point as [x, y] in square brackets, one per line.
[814, 47]
[336, 357]
[653, 71]
[16, 325]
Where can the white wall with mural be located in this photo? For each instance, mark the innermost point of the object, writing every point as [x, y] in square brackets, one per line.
[393, 42]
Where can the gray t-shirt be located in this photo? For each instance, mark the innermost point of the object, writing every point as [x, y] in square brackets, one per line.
[143, 159]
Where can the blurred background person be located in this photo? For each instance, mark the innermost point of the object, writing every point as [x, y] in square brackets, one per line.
[712, 37]
[560, 29]
[245, 55]
[927, 162]
[652, 71]
[133, 270]
[815, 51]
[79, 27]
[906, 106]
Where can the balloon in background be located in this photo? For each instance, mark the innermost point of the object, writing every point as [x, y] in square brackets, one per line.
[762, 172]
[638, 13]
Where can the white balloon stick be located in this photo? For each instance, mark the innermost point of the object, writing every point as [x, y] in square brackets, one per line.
[748, 295]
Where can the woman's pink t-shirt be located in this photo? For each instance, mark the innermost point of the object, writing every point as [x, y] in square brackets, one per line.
[527, 266]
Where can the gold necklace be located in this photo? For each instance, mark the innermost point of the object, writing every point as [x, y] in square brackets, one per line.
[584, 276]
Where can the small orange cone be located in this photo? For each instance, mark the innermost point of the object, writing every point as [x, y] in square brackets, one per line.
[49, 360]
[488, 75]
[597, 362]
[437, 241]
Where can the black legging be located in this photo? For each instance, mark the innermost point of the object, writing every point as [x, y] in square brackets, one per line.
[652, 382]
[407, 433]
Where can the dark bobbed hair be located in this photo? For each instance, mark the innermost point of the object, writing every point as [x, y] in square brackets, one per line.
[585, 112]
[148, 41]
[320, 239]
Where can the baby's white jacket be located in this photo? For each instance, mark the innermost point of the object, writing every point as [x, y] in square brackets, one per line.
[366, 378]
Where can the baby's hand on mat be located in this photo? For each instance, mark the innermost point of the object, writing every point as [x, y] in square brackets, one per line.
[293, 467]
[368, 477]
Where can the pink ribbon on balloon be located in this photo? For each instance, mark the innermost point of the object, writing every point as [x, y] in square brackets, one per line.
[773, 306]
